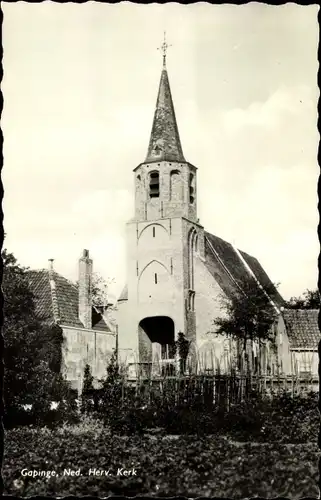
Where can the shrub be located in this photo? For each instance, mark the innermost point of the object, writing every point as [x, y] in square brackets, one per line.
[40, 415]
[282, 418]
[88, 424]
[180, 407]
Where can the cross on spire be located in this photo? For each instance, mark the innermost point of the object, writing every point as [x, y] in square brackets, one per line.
[164, 48]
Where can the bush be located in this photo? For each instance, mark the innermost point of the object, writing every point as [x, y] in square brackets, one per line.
[87, 425]
[66, 412]
[294, 420]
[182, 410]
[282, 418]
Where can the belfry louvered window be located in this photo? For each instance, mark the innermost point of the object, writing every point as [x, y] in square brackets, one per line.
[154, 184]
[191, 188]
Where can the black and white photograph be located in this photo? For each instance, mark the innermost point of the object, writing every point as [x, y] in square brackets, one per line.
[160, 254]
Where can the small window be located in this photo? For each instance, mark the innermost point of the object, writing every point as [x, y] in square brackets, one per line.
[305, 363]
[138, 177]
[153, 231]
[155, 278]
[154, 184]
[191, 300]
[168, 351]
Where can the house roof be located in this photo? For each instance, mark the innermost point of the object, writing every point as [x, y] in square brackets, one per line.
[302, 328]
[232, 268]
[56, 300]
[40, 287]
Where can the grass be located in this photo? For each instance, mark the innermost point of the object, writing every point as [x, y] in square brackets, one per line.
[165, 466]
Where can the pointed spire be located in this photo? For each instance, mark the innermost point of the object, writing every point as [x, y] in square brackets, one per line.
[164, 143]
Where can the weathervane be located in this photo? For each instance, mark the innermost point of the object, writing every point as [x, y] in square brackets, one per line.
[164, 48]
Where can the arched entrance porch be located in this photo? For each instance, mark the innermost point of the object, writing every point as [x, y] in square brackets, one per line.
[156, 336]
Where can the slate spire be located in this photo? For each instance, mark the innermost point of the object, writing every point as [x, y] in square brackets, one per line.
[164, 143]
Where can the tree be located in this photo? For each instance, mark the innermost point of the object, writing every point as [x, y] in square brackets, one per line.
[182, 346]
[87, 391]
[100, 289]
[248, 314]
[113, 373]
[112, 389]
[309, 300]
[100, 295]
[32, 349]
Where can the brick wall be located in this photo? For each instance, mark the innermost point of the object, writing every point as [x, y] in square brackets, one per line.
[173, 200]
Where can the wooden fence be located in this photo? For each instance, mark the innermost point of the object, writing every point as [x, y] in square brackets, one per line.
[213, 390]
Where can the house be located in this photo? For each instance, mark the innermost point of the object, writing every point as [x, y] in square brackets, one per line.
[176, 270]
[89, 336]
[302, 336]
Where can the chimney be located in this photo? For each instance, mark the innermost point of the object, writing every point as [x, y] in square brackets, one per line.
[85, 289]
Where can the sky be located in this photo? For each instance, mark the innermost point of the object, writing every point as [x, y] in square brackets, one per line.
[80, 86]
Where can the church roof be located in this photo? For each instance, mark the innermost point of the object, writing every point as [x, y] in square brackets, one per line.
[302, 328]
[56, 300]
[228, 269]
[232, 268]
[164, 141]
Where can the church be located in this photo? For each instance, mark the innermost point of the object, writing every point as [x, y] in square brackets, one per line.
[176, 270]
[177, 273]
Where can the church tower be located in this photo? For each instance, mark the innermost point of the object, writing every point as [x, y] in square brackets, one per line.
[163, 239]
[165, 184]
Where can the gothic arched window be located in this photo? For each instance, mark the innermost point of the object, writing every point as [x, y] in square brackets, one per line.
[192, 246]
[154, 184]
[196, 244]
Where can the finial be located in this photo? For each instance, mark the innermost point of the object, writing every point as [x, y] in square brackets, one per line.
[164, 48]
[51, 261]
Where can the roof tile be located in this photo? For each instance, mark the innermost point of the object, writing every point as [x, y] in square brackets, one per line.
[66, 298]
[40, 286]
[302, 328]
